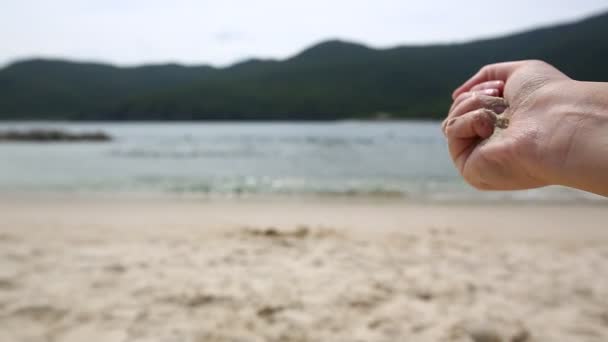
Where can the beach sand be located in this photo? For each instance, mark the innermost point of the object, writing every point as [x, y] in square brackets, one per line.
[157, 269]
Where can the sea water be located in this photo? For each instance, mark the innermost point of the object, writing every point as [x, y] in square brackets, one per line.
[401, 159]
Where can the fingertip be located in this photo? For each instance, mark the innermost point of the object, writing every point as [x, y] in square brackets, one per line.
[452, 131]
[456, 93]
[461, 97]
[499, 72]
[479, 123]
[450, 122]
[444, 124]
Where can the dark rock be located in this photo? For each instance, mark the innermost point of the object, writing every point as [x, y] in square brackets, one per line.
[52, 135]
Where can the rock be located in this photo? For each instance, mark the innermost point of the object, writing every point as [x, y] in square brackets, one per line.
[52, 135]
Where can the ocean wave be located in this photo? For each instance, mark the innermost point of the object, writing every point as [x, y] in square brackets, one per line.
[430, 191]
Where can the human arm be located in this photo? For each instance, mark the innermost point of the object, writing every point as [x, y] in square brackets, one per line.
[558, 130]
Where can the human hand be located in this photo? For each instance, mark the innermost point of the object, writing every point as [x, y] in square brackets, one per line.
[545, 139]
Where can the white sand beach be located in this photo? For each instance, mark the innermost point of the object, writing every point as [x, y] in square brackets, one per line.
[76, 269]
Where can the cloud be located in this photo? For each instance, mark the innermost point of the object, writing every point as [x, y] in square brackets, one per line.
[222, 32]
[226, 37]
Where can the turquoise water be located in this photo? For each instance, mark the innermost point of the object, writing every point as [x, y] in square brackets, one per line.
[398, 159]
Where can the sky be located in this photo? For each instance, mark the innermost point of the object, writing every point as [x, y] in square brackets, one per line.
[221, 32]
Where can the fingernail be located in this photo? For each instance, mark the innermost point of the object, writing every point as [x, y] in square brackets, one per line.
[451, 122]
[490, 92]
[499, 109]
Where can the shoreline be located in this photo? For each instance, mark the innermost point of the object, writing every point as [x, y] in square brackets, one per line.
[500, 199]
[497, 219]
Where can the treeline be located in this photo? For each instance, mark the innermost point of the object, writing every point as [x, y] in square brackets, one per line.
[332, 80]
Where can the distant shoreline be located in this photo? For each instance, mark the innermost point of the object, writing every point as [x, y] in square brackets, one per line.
[302, 198]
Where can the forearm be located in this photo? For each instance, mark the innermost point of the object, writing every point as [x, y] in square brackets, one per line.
[586, 155]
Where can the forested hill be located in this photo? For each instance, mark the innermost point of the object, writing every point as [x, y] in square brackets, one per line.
[332, 80]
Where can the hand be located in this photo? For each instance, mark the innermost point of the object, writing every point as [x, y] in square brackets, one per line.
[546, 129]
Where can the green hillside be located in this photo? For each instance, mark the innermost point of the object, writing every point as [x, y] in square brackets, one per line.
[332, 80]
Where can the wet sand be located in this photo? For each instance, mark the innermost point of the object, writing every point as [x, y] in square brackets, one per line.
[129, 269]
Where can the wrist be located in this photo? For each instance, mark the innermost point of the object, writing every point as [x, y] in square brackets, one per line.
[583, 112]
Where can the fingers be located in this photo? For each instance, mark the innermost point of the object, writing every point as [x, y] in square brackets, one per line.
[466, 95]
[476, 124]
[496, 104]
[494, 84]
[464, 133]
[499, 71]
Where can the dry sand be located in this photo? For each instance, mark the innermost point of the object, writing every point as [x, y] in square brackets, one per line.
[94, 269]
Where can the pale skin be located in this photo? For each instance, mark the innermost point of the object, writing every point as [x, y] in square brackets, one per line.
[557, 130]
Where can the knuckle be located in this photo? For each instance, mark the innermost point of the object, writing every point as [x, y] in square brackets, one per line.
[536, 62]
[485, 102]
[477, 100]
[473, 102]
[478, 116]
[491, 102]
[480, 113]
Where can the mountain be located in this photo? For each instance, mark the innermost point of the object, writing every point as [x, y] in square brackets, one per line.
[52, 89]
[331, 80]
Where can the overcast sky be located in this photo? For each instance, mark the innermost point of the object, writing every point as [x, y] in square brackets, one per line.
[220, 32]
